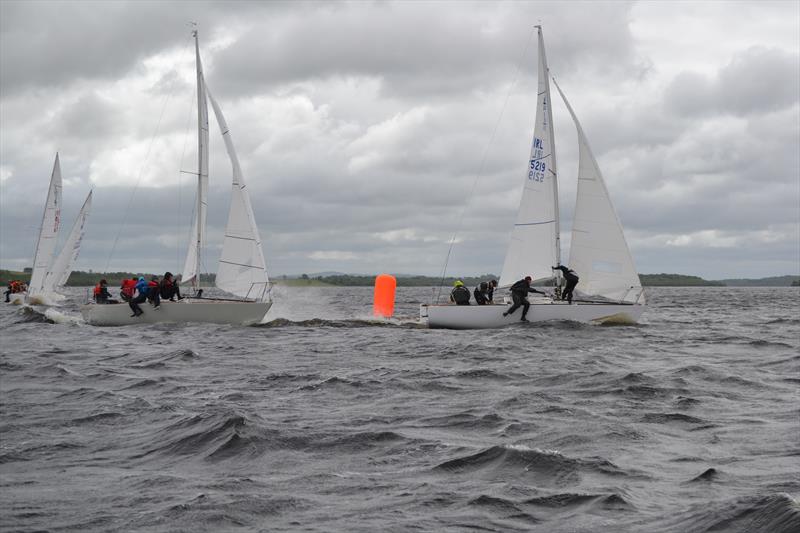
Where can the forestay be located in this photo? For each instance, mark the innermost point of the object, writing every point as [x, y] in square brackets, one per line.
[242, 269]
[191, 267]
[598, 252]
[534, 246]
[48, 233]
[62, 266]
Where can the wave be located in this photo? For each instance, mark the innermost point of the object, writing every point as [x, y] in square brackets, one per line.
[28, 314]
[710, 474]
[343, 323]
[568, 500]
[670, 418]
[161, 360]
[774, 513]
[546, 466]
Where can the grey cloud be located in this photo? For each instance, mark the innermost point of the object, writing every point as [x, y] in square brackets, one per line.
[756, 80]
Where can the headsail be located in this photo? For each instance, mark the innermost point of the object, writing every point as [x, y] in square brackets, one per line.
[242, 269]
[48, 233]
[534, 246]
[598, 252]
[62, 266]
[191, 269]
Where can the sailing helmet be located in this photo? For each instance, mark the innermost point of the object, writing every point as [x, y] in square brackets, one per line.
[458, 283]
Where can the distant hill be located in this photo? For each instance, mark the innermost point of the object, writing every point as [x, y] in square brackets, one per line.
[675, 280]
[775, 281]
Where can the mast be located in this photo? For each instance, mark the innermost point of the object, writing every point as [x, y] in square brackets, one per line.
[191, 269]
[549, 110]
[200, 96]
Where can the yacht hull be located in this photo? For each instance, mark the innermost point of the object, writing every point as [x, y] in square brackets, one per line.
[186, 310]
[491, 316]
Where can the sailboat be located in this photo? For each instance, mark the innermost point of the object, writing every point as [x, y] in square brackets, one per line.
[242, 268]
[598, 250]
[48, 275]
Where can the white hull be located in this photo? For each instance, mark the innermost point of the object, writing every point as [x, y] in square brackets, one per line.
[491, 316]
[186, 310]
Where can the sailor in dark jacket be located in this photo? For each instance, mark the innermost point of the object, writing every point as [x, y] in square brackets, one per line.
[572, 280]
[480, 293]
[459, 294]
[490, 290]
[519, 294]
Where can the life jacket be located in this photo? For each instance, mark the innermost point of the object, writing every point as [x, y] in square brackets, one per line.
[152, 284]
[15, 287]
[98, 290]
[128, 287]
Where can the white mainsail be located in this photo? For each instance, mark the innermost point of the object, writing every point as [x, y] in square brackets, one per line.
[48, 233]
[191, 269]
[242, 269]
[598, 252]
[62, 266]
[535, 246]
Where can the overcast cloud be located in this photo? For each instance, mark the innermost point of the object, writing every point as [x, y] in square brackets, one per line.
[361, 127]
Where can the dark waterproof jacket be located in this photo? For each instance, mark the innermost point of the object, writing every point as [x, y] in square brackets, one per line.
[480, 296]
[460, 295]
[569, 274]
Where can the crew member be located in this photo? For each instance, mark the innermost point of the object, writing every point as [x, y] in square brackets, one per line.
[481, 297]
[142, 289]
[170, 289]
[101, 294]
[490, 291]
[128, 288]
[154, 292]
[519, 294]
[459, 294]
[572, 280]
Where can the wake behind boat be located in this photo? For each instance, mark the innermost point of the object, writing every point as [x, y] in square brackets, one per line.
[598, 250]
[242, 268]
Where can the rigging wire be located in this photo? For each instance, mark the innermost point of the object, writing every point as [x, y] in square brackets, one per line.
[145, 161]
[482, 165]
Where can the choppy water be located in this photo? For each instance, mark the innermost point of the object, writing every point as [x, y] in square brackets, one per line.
[321, 420]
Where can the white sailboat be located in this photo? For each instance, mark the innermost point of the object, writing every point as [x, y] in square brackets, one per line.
[598, 251]
[47, 274]
[242, 268]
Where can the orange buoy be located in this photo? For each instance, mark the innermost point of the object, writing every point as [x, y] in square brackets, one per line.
[383, 303]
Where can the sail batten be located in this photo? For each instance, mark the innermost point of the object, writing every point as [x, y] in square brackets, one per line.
[535, 246]
[48, 232]
[598, 250]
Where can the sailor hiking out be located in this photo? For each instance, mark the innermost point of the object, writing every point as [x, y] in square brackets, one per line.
[519, 294]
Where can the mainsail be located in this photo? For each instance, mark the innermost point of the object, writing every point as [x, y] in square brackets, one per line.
[62, 266]
[598, 252]
[48, 233]
[242, 269]
[534, 246]
[191, 269]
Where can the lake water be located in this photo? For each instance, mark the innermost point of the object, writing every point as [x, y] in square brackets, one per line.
[324, 420]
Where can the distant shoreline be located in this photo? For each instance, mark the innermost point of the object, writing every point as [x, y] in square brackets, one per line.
[84, 279]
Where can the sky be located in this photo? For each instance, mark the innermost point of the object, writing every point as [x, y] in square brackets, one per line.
[372, 133]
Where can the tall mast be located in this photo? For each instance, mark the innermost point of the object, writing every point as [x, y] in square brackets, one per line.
[202, 163]
[553, 167]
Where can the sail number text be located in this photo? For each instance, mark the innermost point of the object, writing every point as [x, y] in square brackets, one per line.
[536, 172]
